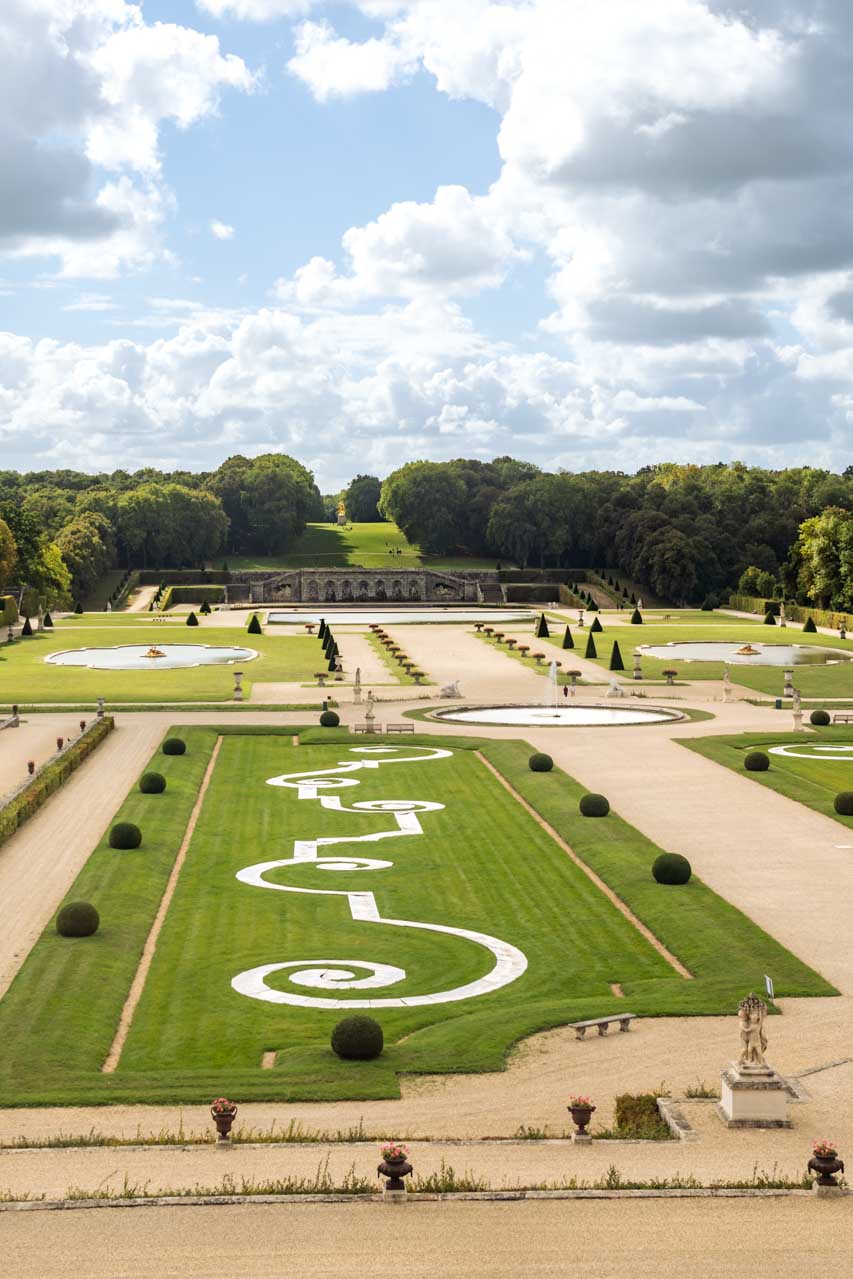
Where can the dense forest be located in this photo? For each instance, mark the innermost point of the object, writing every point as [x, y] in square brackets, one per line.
[689, 534]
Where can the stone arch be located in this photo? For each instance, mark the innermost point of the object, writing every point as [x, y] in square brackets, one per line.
[396, 589]
[330, 594]
[313, 592]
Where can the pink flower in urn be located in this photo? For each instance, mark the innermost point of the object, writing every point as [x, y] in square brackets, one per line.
[580, 1102]
[394, 1150]
[222, 1106]
[825, 1148]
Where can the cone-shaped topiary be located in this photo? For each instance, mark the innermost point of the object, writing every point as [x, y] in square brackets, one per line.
[78, 607]
[769, 619]
[77, 919]
[671, 868]
[757, 762]
[333, 662]
[844, 803]
[27, 628]
[809, 628]
[174, 746]
[330, 719]
[636, 618]
[192, 620]
[820, 719]
[542, 631]
[358, 1039]
[254, 627]
[568, 640]
[125, 835]
[47, 621]
[616, 663]
[593, 805]
[152, 783]
[633, 598]
[321, 629]
[590, 647]
[205, 607]
[596, 625]
[540, 763]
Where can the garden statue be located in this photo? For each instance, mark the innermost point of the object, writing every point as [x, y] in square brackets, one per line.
[842, 631]
[614, 688]
[727, 685]
[356, 687]
[369, 714]
[451, 690]
[751, 1014]
[782, 621]
[797, 707]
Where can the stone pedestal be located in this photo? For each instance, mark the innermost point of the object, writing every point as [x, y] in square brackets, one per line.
[638, 669]
[581, 1139]
[238, 686]
[788, 690]
[798, 722]
[394, 1196]
[753, 1097]
[827, 1192]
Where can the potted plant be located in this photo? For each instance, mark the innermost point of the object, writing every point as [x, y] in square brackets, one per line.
[82, 725]
[222, 1112]
[60, 742]
[31, 766]
[669, 676]
[581, 1109]
[395, 1165]
[825, 1162]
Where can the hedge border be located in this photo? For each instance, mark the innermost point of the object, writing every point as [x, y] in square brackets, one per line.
[50, 777]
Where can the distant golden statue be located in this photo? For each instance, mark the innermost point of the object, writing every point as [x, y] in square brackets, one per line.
[342, 512]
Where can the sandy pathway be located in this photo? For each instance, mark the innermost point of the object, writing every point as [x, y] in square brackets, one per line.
[140, 599]
[35, 738]
[654, 1239]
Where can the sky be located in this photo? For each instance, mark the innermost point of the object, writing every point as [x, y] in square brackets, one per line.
[587, 233]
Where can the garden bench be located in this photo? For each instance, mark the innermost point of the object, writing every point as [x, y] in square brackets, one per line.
[602, 1024]
[365, 728]
[399, 728]
[842, 717]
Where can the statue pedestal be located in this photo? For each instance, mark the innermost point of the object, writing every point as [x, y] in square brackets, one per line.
[753, 1097]
[798, 722]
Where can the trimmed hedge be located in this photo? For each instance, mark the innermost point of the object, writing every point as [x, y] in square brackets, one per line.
[125, 835]
[540, 763]
[358, 1039]
[77, 919]
[593, 805]
[330, 719]
[820, 719]
[843, 803]
[757, 762]
[152, 783]
[48, 779]
[8, 610]
[174, 746]
[671, 868]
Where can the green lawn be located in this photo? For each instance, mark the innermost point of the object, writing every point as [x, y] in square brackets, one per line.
[812, 681]
[482, 863]
[365, 545]
[26, 677]
[813, 781]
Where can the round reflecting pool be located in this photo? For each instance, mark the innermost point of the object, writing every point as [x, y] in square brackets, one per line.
[393, 617]
[571, 716]
[762, 654]
[140, 657]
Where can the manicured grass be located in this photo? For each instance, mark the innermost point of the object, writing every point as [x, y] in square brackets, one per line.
[26, 677]
[814, 782]
[481, 863]
[365, 545]
[812, 681]
[395, 670]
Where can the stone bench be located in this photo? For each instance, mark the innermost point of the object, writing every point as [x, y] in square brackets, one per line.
[602, 1024]
[842, 717]
[399, 728]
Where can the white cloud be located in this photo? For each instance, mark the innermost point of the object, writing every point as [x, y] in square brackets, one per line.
[91, 302]
[332, 66]
[221, 230]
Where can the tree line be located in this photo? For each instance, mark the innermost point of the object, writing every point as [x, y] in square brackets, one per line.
[689, 534]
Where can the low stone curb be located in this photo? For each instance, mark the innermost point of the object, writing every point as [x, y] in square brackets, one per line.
[414, 1197]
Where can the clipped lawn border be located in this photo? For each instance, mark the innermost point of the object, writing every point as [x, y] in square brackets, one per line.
[34, 793]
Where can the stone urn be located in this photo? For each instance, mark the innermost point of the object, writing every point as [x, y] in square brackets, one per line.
[581, 1116]
[395, 1170]
[826, 1166]
[223, 1118]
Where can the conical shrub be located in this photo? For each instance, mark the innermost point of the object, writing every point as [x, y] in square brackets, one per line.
[254, 627]
[769, 619]
[321, 630]
[616, 663]
[27, 628]
[78, 607]
[568, 640]
[47, 621]
[596, 625]
[542, 631]
[636, 618]
[809, 627]
[192, 620]
[590, 647]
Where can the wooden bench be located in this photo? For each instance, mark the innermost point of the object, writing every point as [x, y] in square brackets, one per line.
[365, 728]
[602, 1024]
[842, 717]
[399, 728]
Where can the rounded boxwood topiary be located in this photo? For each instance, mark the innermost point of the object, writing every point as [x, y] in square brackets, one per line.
[77, 919]
[671, 868]
[125, 835]
[844, 803]
[330, 719]
[594, 806]
[152, 783]
[358, 1039]
[819, 718]
[540, 763]
[174, 746]
[757, 762]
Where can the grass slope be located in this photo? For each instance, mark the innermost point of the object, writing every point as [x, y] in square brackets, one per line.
[365, 545]
[25, 676]
[482, 863]
[813, 782]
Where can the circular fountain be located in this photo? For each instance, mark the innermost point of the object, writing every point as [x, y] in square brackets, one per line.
[745, 654]
[572, 716]
[136, 657]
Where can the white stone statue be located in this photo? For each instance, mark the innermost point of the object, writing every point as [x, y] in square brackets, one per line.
[614, 688]
[356, 687]
[751, 1014]
[369, 714]
[782, 619]
[727, 685]
[797, 700]
[451, 690]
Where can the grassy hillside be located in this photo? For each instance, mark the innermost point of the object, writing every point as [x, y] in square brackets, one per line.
[365, 545]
